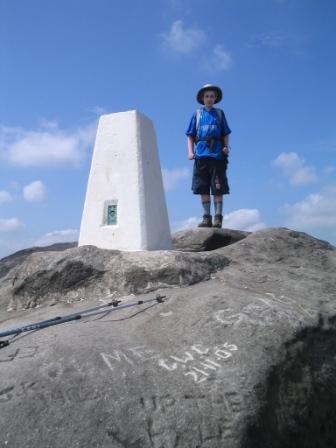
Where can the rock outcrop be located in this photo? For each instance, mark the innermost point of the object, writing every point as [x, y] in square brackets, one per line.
[89, 273]
[246, 359]
[7, 263]
[205, 239]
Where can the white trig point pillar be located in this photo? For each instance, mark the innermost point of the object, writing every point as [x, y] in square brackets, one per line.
[125, 205]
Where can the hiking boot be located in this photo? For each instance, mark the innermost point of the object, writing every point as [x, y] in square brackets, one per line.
[206, 222]
[218, 221]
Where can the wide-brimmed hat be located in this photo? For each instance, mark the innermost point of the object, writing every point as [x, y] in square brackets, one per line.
[218, 90]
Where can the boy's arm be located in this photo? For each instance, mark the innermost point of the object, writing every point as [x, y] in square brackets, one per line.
[190, 141]
[226, 135]
[226, 144]
[191, 133]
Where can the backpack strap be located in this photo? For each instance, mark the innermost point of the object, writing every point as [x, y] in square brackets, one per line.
[198, 118]
[219, 113]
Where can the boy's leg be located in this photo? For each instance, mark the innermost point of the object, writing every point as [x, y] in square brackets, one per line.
[201, 185]
[206, 203]
[218, 204]
[219, 186]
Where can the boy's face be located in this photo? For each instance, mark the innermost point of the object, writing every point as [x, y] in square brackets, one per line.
[209, 98]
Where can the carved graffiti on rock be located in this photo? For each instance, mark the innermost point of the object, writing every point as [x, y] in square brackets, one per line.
[129, 356]
[200, 361]
[264, 311]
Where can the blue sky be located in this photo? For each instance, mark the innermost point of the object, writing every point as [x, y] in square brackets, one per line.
[64, 63]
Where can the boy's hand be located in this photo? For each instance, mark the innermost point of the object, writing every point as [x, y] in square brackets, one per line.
[225, 150]
[191, 155]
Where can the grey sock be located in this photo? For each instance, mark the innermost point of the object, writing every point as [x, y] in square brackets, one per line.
[206, 207]
[218, 207]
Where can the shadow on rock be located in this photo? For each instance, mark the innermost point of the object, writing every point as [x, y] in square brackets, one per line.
[199, 240]
[71, 276]
[299, 395]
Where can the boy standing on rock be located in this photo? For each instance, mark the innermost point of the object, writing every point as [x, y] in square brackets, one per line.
[209, 132]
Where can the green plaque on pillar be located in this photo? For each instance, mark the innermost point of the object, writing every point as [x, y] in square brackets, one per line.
[112, 215]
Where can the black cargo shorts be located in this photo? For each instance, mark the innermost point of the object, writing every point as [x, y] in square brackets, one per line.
[209, 175]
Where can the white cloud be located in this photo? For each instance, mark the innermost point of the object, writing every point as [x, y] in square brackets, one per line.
[10, 225]
[172, 177]
[242, 219]
[35, 192]
[181, 39]
[57, 236]
[189, 223]
[316, 213]
[221, 58]
[48, 146]
[295, 168]
[5, 197]
[49, 124]
[275, 39]
[98, 110]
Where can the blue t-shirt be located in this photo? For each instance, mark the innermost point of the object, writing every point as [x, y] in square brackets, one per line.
[209, 126]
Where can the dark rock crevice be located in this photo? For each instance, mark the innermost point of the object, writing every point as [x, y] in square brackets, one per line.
[204, 239]
[72, 275]
[298, 408]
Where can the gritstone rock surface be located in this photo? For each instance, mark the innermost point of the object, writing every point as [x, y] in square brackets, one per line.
[205, 239]
[244, 359]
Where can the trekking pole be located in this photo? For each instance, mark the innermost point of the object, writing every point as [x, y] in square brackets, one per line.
[29, 327]
[39, 325]
[158, 299]
[75, 316]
